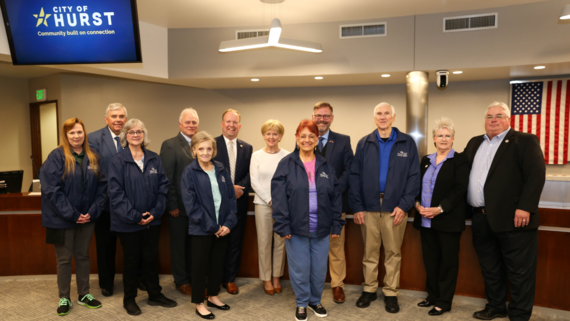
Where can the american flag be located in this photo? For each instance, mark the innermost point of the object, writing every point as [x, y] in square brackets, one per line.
[543, 108]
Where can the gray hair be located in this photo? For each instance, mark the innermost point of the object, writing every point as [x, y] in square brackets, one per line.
[115, 106]
[442, 123]
[384, 104]
[189, 110]
[507, 111]
[128, 126]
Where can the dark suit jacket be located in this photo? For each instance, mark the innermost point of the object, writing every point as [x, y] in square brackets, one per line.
[244, 151]
[102, 141]
[339, 155]
[515, 180]
[176, 155]
[449, 191]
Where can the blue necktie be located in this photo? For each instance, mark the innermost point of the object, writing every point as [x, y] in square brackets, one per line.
[321, 145]
[119, 148]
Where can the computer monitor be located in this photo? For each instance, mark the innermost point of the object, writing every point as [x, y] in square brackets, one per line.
[12, 182]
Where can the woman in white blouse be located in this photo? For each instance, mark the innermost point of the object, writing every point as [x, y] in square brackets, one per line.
[263, 165]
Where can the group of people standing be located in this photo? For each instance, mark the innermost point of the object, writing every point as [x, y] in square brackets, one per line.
[113, 185]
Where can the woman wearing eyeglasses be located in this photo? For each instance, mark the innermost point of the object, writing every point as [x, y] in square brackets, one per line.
[137, 194]
[442, 208]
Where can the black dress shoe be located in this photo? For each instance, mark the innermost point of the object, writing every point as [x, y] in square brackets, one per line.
[434, 311]
[220, 307]
[425, 303]
[207, 316]
[488, 314]
[107, 292]
[365, 299]
[162, 301]
[132, 308]
[392, 304]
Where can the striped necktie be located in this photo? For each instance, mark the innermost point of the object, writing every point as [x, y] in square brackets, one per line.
[232, 161]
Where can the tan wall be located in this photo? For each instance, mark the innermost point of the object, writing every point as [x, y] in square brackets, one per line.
[15, 142]
[48, 127]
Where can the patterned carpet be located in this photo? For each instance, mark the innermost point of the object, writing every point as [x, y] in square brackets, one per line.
[35, 298]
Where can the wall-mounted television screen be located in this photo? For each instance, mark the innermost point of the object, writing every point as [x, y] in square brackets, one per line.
[45, 32]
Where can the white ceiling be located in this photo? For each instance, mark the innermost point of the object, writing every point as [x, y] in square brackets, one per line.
[238, 13]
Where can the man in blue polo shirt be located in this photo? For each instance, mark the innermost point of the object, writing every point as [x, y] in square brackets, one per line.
[384, 181]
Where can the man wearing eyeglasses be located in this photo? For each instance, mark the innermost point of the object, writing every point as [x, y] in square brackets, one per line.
[336, 149]
[176, 155]
[506, 180]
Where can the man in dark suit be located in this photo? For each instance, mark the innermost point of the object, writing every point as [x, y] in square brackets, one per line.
[176, 155]
[506, 180]
[235, 154]
[336, 149]
[106, 142]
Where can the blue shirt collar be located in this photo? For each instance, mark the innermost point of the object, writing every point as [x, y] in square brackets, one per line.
[499, 137]
[326, 135]
[392, 136]
[188, 139]
[433, 157]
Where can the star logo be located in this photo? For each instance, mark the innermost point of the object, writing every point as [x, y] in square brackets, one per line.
[42, 18]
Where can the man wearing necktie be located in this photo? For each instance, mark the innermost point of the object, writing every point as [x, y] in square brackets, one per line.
[106, 142]
[235, 155]
[176, 155]
[337, 150]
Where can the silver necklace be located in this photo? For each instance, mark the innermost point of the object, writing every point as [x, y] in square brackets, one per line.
[270, 152]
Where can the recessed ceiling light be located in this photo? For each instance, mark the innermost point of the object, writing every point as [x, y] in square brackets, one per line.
[318, 78]
[458, 72]
[386, 75]
[254, 79]
[539, 67]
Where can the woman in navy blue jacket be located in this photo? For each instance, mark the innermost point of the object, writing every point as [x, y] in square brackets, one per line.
[137, 194]
[210, 201]
[73, 195]
[307, 209]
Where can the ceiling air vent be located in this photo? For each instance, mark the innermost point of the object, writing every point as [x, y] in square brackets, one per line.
[244, 34]
[470, 23]
[373, 29]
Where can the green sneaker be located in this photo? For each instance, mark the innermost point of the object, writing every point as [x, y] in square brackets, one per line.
[89, 301]
[64, 306]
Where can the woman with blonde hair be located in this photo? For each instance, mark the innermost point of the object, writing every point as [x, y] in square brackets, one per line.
[262, 167]
[73, 186]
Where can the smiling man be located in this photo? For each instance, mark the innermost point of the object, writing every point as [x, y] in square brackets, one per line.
[384, 182]
[336, 149]
[106, 142]
[176, 155]
[235, 154]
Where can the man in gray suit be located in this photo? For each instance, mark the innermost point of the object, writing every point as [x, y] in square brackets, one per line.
[106, 142]
[176, 155]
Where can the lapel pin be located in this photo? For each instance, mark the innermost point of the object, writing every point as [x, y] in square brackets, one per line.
[240, 145]
[506, 141]
[427, 166]
[330, 141]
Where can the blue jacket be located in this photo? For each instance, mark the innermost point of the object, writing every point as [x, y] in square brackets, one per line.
[290, 197]
[133, 192]
[402, 182]
[62, 199]
[199, 201]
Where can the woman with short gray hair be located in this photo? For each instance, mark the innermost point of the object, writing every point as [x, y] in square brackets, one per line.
[441, 210]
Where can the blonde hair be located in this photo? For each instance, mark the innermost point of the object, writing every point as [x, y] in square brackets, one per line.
[272, 124]
[231, 111]
[201, 137]
[442, 123]
[132, 123]
[66, 147]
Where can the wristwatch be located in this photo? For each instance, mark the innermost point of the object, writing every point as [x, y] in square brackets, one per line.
[440, 209]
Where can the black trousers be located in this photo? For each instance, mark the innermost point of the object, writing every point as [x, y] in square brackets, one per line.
[441, 259]
[507, 254]
[208, 253]
[180, 248]
[235, 244]
[106, 242]
[140, 249]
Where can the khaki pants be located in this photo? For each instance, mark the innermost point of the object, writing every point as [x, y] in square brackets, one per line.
[264, 224]
[337, 261]
[379, 228]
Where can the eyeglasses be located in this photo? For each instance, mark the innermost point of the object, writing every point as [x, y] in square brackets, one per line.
[497, 117]
[326, 117]
[441, 136]
[133, 133]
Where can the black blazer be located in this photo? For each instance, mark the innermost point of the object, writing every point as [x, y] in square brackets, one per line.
[244, 151]
[450, 192]
[176, 155]
[339, 155]
[103, 143]
[515, 180]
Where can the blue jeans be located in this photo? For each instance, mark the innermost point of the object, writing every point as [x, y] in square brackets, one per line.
[307, 257]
